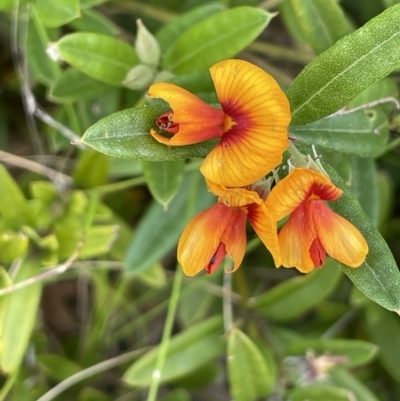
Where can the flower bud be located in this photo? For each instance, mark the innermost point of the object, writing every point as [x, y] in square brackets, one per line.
[146, 46]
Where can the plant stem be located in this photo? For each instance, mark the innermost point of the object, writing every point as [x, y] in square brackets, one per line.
[173, 304]
[86, 373]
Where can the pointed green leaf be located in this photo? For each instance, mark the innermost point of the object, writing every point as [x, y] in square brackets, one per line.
[357, 352]
[378, 277]
[56, 13]
[358, 60]
[322, 22]
[247, 369]
[126, 134]
[170, 33]
[42, 67]
[343, 378]
[297, 295]
[99, 56]
[158, 231]
[187, 351]
[384, 329]
[93, 21]
[356, 133]
[216, 38]
[163, 179]
[19, 314]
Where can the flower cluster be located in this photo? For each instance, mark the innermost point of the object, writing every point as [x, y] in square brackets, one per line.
[252, 127]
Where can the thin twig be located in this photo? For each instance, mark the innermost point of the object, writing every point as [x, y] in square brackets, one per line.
[86, 373]
[43, 276]
[50, 121]
[389, 99]
[38, 168]
[19, 37]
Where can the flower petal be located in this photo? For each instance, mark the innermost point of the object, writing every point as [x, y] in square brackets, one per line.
[297, 187]
[295, 239]
[201, 237]
[260, 111]
[204, 233]
[338, 236]
[234, 237]
[233, 197]
[197, 120]
[264, 224]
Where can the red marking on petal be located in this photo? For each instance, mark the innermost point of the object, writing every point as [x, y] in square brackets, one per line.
[216, 259]
[166, 123]
[326, 192]
[317, 252]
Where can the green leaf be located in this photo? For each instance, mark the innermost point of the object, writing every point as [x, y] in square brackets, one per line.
[93, 21]
[322, 22]
[98, 240]
[170, 32]
[57, 367]
[12, 246]
[99, 56]
[126, 134]
[289, 17]
[196, 300]
[162, 228]
[358, 60]
[384, 329]
[187, 351]
[14, 207]
[343, 378]
[56, 13]
[384, 88]
[378, 277]
[364, 184]
[163, 179]
[297, 295]
[354, 133]
[42, 67]
[357, 352]
[319, 392]
[16, 331]
[216, 38]
[91, 170]
[248, 371]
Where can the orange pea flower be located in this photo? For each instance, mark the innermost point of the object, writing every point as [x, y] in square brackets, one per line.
[252, 122]
[313, 229]
[221, 230]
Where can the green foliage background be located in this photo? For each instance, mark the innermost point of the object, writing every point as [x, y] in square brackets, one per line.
[92, 304]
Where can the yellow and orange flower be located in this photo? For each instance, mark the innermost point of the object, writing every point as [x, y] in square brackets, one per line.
[313, 229]
[252, 123]
[221, 230]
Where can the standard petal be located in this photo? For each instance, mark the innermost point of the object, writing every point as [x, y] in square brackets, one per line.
[254, 144]
[339, 237]
[295, 239]
[234, 237]
[197, 120]
[233, 197]
[264, 224]
[201, 237]
[245, 154]
[297, 187]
